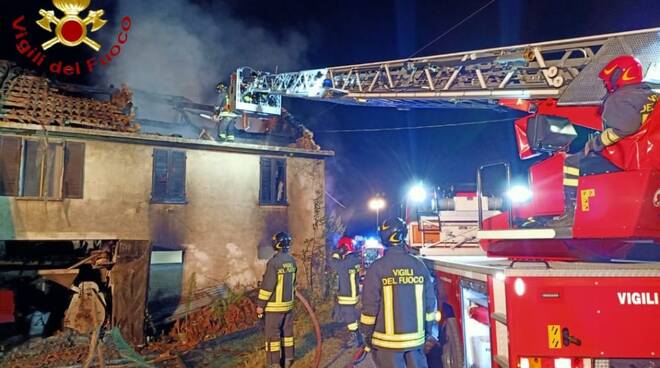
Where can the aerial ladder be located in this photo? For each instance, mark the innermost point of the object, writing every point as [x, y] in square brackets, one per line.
[544, 297]
[554, 78]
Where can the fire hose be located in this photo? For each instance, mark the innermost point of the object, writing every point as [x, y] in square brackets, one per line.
[358, 356]
[317, 329]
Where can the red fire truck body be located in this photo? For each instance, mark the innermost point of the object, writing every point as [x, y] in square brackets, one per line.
[548, 314]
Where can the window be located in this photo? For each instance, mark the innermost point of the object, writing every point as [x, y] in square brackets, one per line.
[169, 176]
[40, 169]
[273, 181]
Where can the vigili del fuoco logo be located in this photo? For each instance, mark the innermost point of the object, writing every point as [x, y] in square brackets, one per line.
[67, 30]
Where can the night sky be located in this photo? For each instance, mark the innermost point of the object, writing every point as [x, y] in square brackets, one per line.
[349, 32]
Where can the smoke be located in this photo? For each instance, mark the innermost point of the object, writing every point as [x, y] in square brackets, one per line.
[176, 47]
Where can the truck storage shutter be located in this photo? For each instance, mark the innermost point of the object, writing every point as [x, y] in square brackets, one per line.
[74, 169]
[10, 163]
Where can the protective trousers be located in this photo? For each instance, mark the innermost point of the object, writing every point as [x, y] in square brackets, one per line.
[278, 331]
[399, 359]
[349, 315]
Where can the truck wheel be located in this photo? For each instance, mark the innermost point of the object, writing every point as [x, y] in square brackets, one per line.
[452, 349]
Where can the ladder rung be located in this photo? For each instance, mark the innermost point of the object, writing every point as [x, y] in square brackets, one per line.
[499, 317]
[502, 361]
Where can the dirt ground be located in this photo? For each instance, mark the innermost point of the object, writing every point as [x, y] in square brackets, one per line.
[243, 348]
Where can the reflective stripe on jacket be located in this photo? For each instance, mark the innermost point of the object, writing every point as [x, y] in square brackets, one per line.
[348, 270]
[398, 302]
[277, 286]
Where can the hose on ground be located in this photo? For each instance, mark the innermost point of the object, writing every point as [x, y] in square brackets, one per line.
[317, 329]
[358, 357]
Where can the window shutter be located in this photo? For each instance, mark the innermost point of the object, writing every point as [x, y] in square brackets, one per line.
[176, 185]
[10, 163]
[74, 169]
[159, 185]
[266, 189]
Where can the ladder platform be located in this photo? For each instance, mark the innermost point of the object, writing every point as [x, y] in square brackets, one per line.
[522, 234]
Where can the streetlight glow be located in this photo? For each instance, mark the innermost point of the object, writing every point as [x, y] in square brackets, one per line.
[376, 204]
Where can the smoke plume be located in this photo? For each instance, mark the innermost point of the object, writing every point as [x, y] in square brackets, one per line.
[176, 47]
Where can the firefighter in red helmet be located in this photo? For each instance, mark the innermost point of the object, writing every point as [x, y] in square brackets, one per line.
[626, 107]
[347, 265]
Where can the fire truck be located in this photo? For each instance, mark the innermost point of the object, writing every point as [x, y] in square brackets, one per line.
[578, 297]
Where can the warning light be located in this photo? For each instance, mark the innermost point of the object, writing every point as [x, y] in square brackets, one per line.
[519, 287]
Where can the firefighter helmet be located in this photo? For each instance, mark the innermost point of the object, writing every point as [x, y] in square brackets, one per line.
[621, 71]
[393, 232]
[282, 241]
[345, 246]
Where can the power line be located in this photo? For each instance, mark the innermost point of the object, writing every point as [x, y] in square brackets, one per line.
[452, 28]
[434, 126]
[334, 199]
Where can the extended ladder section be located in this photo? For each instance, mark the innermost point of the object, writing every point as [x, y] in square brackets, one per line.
[566, 70]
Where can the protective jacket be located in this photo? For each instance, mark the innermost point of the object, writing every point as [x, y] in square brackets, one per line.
[348, 271]
[398, 302]
[276, 293]
[631, 128]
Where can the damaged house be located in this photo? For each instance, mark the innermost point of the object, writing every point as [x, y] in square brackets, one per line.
[110, 202]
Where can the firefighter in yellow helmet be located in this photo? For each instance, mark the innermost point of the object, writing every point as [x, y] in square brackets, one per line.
[399, 305]
[275, 302]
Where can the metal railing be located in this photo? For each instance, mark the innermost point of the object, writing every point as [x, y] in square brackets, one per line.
[480, 210]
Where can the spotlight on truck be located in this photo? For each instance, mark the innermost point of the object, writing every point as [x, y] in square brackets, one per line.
[519, 194]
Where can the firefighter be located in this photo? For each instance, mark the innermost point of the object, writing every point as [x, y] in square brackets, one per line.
[398, 303]
[626, 107]
[275, 303]
[222, 113]
[347, 265]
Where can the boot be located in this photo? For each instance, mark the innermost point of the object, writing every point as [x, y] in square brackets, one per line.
[566, 220]
[288, 363]
[352, 341]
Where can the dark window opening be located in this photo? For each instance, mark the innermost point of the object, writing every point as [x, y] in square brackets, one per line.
[74, 169]
[169, 177]
[10, 165]
[40, 169]
[273, 181]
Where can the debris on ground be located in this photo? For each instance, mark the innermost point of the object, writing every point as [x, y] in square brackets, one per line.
[65, 349]
[223, 334]
[221, 318]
